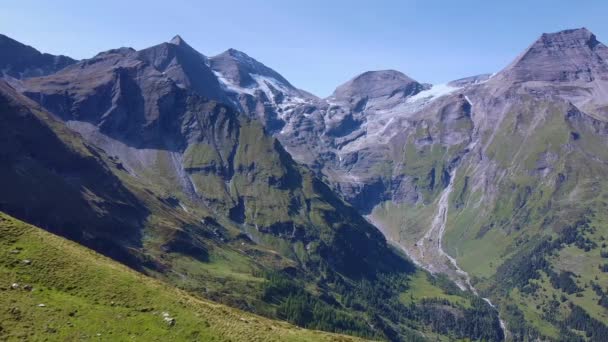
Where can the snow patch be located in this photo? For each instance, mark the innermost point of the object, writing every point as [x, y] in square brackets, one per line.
[264, 81]
[265, 84]
[231, 87]
[434, 92]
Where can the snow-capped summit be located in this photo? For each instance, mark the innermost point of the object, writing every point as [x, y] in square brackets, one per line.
[239, 68]
[256, 89]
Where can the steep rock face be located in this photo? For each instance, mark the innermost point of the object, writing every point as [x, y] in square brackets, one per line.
[20, 61]
[122, 90]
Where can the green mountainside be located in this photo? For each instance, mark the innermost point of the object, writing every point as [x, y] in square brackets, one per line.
[200, 197]
[526, 205]
[547, 223]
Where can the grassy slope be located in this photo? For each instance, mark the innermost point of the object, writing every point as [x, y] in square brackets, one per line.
[89, 296]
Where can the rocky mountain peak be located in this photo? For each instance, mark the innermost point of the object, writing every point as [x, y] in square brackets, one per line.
[177, 40]
[178, 43]
[568, 55]
[185, 66]
[240, 55]
[238, 68]
[568, 38]
[374, 84]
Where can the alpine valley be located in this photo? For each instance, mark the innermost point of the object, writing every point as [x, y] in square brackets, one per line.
[161, 194]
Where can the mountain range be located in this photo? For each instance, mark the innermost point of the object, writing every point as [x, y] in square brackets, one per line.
[392, 209]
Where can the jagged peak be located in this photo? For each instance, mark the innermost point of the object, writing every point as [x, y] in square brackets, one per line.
[178, 40]
[176, 45]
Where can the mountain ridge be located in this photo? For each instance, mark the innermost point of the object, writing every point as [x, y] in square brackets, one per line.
[20, 60]
[511, 160]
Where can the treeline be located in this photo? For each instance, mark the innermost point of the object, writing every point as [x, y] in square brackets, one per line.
[478, 322]
[297, 306]
[519, 328]
[579, 319]
[517, 271]
[372, 309]
[563, 280]
[603, 301]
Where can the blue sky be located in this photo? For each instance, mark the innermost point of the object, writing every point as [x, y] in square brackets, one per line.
[317, 45]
